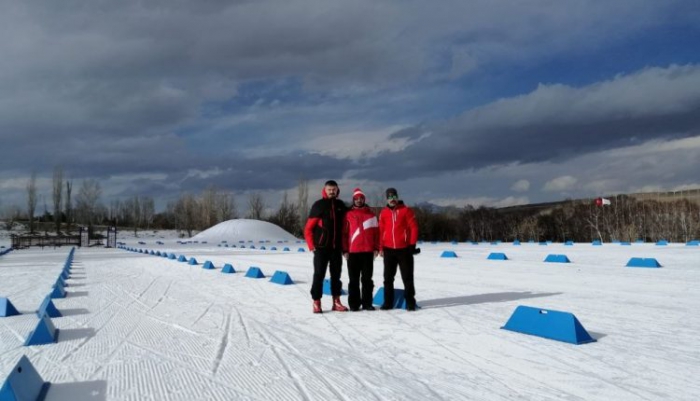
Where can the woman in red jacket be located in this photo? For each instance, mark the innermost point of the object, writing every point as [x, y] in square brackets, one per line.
[360, 247]
[398, 232]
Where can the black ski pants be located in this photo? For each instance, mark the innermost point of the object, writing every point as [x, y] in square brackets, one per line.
[323, 258]
[360, 270]
[402, 257]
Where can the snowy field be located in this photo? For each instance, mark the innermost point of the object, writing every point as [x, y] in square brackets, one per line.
[139, 327]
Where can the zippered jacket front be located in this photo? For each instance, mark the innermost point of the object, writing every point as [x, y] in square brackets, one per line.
[397, 227]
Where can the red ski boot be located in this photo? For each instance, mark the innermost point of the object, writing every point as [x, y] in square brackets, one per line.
[317, 306]
[337, 306]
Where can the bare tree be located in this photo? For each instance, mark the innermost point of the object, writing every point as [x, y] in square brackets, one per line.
[31, 200]
[208, 207]
[69, 205]
[185, 212]
[226, 206]
[286, 217]
[256, 206]
[10, 214]
[302, 204]
[148, 210]
[87, 200]
[57, 196]
[135, 214]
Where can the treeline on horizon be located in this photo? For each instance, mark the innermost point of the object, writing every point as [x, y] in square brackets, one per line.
[626, 219]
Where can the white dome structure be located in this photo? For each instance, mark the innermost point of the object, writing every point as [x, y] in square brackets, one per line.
[244, 230]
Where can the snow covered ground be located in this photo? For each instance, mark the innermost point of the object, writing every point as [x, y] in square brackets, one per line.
[140, 327]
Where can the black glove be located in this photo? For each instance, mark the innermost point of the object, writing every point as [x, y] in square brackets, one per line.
[413, 249]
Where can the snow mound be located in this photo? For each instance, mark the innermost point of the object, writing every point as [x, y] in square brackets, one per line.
[244, 230]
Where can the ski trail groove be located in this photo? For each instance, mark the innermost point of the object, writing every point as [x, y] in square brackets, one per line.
[222, 345]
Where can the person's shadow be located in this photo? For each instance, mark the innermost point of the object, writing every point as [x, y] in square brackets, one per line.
[482, 299]
[79, 391]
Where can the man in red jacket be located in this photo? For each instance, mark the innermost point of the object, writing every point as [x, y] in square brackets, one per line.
[324, 236]
[360, 247]
[398, 233]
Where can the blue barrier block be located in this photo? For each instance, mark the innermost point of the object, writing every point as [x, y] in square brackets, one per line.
[252, 247]
[643, 262]
[172, 256]
[497, 256]
[625, 243]
[327, 288]
[192, 262]
[301, 250]
[157, 253]
[286, 249]
[58, 292]
[182, 258]
[557, 259]
[282, 278]
[454, 242]
[24, 383]
[43, 333]
[569, 243]
[516, 242]
[399, 298]
[274, 248]
[60, 281]
[47, 307]
[254, 272]
[596, 243]
[233, 246]
[262, 248]
[544, 243]
[693, 243]
[639, 241]
[662, 242]
[151, 252]
[555, 325]
[208, 265]
[532, 241]
[6, 308]
[228, 269]
[242, 246]
[448, 254]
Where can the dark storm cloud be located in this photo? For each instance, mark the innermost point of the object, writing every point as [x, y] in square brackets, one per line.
[553, 123]
[106, 88]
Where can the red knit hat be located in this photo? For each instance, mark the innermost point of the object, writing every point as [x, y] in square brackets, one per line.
[357, 193]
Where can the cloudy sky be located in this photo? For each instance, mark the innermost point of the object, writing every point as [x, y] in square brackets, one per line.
[458, 102]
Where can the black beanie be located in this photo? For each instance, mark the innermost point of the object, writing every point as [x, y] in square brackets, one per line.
[331, 183]
[391, 191]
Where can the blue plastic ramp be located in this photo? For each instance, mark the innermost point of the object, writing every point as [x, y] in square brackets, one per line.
[643, 262]
[551, 324]
[43, 333]
[497, 256]
[557, 259]
[23, 383]
[6, 308]
[254, 272]
[281, 278]
[399, 298]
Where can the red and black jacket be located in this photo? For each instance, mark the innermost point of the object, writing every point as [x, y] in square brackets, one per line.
[324, 228]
